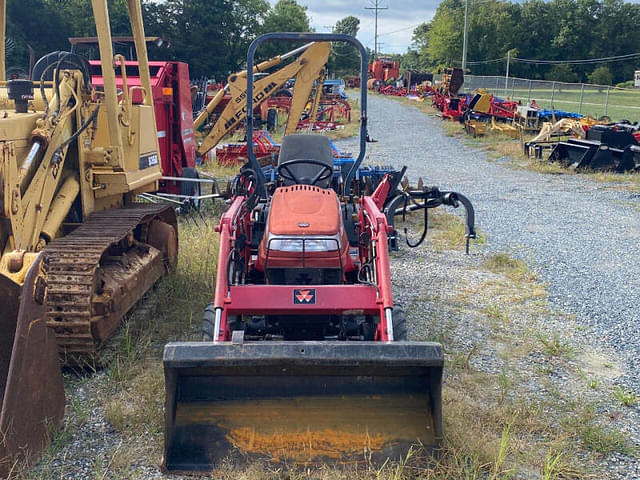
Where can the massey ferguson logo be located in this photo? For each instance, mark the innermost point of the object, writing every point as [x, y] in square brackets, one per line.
[306, 296]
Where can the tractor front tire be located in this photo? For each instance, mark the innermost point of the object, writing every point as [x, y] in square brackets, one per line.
[208, 323]
[399, 324]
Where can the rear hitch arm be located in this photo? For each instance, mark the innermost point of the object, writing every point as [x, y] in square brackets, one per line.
[432, 197]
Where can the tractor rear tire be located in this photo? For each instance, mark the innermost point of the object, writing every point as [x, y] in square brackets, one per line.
[191, 189]
[272, 120]
[399, 324]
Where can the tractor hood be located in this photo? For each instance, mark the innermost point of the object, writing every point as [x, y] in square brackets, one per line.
[304, 210]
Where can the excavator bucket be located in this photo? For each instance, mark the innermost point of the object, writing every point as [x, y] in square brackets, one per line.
[299, 403]
[31, 384]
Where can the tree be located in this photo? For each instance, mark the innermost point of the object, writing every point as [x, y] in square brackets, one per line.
[538, 29]
[285, 16]
[211, 35]
[417, 57]
[344, 58]
[601, 76]
[444, 38]
[420, 37]
[562, 73]
[43, 31]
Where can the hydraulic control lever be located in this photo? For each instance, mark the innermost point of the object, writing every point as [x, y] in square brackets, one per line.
[432, 197]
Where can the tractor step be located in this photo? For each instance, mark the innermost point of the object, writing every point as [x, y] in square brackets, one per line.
[301, 402]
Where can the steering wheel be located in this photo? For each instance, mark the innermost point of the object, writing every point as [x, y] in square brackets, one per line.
[285, 172]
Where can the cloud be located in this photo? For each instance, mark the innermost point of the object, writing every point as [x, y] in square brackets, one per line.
[395, 25]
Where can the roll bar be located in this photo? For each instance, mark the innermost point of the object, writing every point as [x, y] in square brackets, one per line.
[306, 37]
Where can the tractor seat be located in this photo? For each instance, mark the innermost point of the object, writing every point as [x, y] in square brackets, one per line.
[312, 147]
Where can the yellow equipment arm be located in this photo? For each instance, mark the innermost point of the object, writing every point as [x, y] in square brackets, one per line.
[301, 92]
[31, 193]
[261, 67]
[306, 69]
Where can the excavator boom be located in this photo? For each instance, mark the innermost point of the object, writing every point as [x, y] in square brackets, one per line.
[261, 67]
[307, 68]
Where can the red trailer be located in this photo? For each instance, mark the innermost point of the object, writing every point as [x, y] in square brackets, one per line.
[171, 90]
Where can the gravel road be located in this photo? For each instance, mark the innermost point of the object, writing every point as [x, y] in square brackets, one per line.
[580, 236]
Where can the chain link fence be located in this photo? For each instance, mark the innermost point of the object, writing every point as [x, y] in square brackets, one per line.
[594, 100]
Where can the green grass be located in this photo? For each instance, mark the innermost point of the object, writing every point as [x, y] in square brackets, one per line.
[554, 346]
[603, 441]
[627, 398]
[514, 268]
[133, 392]
[623, 104]
[497, 313]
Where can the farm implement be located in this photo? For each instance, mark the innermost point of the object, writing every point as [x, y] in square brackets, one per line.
[264, 147]
[394, 91]
[305, 357]
[604, 148]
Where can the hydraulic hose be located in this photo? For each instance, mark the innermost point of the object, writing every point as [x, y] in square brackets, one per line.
[433, 198]
[56, 154]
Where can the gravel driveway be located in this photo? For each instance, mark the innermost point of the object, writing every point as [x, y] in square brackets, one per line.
[580, 236]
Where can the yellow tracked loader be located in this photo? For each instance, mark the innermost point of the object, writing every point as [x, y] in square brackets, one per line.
[76, 250]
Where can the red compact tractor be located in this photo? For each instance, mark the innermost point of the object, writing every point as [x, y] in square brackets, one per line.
[305, 356]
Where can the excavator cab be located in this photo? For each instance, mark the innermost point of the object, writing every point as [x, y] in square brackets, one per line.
[300, 363]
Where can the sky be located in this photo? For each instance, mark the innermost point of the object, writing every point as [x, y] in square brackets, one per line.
[395, 25]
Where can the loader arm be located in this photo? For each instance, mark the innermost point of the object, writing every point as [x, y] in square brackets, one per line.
[306, 69]
[39, 194]
[35, 202]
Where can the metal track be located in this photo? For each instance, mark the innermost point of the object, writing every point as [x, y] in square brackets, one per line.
[81, 315]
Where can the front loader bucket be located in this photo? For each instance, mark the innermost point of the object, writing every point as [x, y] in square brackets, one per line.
[300, 403]
[31, 384]
[575, 154]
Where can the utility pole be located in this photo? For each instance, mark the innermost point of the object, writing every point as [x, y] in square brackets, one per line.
[464, 37]
[376, 6]
[506, 78]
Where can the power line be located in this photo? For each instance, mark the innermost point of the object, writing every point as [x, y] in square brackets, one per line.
[376, 6]
[617, 58]
[400, 30]
[483, 62]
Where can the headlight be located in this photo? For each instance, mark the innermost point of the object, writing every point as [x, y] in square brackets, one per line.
[310, 245]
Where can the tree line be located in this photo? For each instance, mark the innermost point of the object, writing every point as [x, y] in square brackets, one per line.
[535, 29]
[212, 36]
